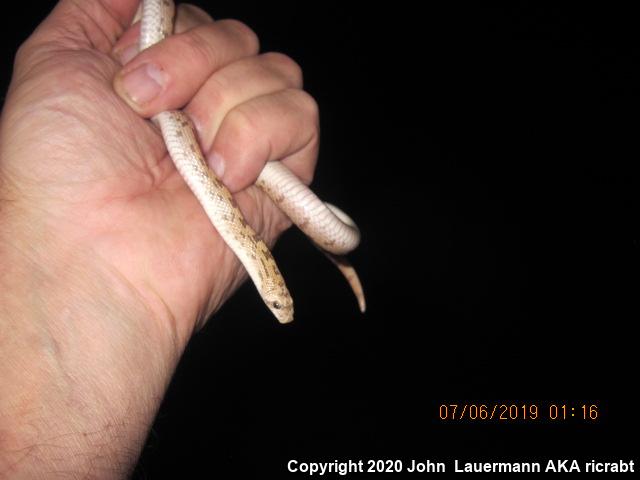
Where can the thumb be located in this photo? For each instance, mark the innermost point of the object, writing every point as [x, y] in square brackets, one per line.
[91, 24]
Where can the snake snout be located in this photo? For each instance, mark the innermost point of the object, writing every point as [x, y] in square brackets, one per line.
[281, 305]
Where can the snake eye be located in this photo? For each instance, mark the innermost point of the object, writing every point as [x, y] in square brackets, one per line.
[276, 305]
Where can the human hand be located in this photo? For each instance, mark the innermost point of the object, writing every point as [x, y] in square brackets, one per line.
[98, 174]
[109, 262]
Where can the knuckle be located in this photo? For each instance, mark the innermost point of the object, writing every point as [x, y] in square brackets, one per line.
[287, 65]
[23, 52]
[195, 42]
[306, 103]
[215, 93]
[241, 124]
[244, 33]
[30, 51]
[214, 97]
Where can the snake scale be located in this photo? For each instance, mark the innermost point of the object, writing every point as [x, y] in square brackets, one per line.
[328, 227]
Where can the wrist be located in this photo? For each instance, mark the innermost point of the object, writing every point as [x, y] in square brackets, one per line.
[84, 361]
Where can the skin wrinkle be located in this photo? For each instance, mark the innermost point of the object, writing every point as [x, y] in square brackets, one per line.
[157, 172]
[56, 441]
[106, 41]
[31, 255]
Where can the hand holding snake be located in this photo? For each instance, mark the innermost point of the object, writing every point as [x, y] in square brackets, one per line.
[327, 226]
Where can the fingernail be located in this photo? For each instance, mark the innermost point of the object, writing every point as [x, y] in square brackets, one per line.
[144, 83]
[125, 54]
[216, 162]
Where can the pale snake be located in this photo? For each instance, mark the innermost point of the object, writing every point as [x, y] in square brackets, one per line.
[328, 227]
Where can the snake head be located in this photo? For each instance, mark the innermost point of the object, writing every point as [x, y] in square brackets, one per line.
[280, 304]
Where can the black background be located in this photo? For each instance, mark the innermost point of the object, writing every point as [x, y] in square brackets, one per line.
[489, 156]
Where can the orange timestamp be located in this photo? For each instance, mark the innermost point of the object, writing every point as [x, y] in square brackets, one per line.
[510, 412]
